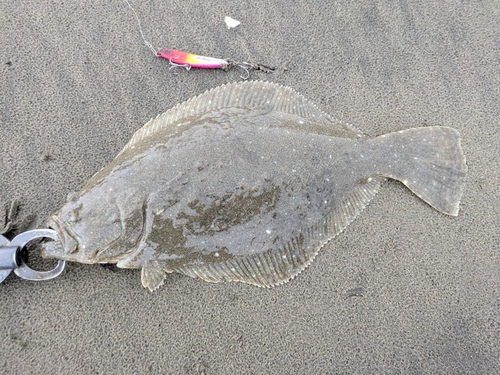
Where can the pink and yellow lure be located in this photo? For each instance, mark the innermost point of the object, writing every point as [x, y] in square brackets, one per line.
[191, 60]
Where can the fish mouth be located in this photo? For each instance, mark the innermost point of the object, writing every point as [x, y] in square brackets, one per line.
[67, 243]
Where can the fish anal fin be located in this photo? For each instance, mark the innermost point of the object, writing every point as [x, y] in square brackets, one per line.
[152, 277]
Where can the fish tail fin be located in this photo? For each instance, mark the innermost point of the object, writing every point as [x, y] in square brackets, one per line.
[430, 162]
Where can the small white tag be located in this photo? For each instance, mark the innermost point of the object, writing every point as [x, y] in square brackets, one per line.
[231, 22]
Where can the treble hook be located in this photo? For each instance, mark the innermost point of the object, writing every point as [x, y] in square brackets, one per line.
[246, 66]
[246, 69]
[175, 65]
[11, 256]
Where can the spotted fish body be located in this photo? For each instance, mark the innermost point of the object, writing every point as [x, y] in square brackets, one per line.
[245, 183]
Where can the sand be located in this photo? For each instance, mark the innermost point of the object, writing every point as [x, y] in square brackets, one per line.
[404, 289]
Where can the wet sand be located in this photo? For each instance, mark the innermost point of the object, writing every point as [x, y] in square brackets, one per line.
[404, 289]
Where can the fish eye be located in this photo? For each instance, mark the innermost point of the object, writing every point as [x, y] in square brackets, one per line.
[73, 218]
[74, 214]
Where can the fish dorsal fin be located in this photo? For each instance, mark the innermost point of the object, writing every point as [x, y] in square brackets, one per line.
[249, 95]
[274, 267]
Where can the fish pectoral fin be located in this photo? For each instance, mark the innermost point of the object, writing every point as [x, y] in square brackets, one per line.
[152, 277]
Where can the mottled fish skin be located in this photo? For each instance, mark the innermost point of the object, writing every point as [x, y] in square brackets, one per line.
[245, 183]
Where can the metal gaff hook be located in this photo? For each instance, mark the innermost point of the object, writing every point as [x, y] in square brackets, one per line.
[10, 256]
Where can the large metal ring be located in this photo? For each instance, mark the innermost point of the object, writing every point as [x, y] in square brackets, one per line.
[24, 271]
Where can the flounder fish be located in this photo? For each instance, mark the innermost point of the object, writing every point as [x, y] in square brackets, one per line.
[246, 182]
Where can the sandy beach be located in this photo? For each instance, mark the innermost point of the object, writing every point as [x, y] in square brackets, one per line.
[404, 289]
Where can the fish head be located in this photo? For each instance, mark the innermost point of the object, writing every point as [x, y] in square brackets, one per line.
[92, 229]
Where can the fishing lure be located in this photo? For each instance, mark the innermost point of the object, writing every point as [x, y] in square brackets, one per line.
[190, 60]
